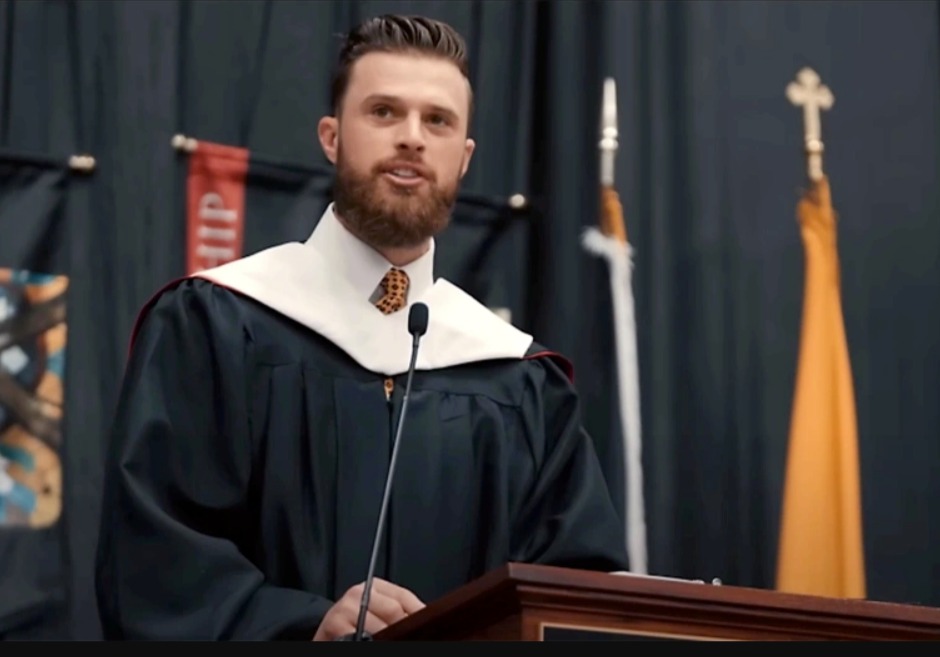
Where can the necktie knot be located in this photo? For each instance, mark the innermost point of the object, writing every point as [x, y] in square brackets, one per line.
[395, 284]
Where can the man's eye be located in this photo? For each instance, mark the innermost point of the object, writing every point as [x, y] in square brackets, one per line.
[382, 111]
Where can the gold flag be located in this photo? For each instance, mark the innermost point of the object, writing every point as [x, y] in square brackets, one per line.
[820, 550]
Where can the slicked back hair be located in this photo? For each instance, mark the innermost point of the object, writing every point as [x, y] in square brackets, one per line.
[399, 34]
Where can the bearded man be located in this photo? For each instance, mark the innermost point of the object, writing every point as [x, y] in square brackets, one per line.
[253, 434]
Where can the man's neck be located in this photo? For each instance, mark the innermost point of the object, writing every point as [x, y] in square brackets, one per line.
[397, 256]
[403, 256]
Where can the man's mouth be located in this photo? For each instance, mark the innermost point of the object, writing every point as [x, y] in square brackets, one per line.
[404, 176]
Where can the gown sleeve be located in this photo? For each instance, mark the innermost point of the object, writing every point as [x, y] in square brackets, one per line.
[178, 517]
[566, 516]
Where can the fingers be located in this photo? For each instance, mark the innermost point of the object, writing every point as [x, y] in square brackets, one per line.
[409, 601]
[374, 624]
[388, 603]
[387, 608]
[340, 624]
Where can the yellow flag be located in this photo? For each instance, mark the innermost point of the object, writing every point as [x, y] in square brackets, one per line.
[820, 550]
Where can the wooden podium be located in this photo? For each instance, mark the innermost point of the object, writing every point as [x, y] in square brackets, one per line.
[539, 603]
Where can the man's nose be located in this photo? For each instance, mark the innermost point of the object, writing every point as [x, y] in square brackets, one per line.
[411, 134]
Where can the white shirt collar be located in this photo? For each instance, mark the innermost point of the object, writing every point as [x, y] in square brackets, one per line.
[359, 264]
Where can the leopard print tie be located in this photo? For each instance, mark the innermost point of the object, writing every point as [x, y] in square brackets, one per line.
[395, 284]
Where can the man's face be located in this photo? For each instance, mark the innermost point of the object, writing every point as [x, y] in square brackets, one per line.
[400, 147]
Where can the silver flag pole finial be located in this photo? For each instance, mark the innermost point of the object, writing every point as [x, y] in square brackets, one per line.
[608, 143]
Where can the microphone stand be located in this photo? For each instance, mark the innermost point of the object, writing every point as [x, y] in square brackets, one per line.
[417, 325]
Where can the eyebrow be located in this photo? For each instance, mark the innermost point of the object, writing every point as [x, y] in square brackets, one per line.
[393, 100]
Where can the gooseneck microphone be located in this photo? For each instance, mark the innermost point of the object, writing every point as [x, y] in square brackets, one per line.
[417, 326]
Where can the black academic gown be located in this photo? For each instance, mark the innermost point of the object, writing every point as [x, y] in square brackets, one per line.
[248, 461]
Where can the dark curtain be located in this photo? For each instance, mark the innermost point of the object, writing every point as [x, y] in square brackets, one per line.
[709, 171]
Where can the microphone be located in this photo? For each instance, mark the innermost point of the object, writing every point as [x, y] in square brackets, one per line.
[417, 326]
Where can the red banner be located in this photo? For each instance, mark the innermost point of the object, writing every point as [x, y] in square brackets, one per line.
[215, 206]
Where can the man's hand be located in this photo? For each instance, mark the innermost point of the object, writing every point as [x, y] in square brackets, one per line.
[388, 603]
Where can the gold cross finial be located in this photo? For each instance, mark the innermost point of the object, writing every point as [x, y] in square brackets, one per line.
[807, 92]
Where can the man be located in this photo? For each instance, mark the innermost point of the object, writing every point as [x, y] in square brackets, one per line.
[255, 424]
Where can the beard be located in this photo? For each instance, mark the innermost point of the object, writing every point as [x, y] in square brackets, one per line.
[385, 216]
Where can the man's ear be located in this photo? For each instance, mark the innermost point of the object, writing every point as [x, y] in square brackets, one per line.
[468, 153]
[328, 133]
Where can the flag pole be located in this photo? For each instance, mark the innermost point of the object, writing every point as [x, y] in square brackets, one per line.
[612, 223]
[516, 202]
[610, 242]
[81, 163]
[183, 143]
